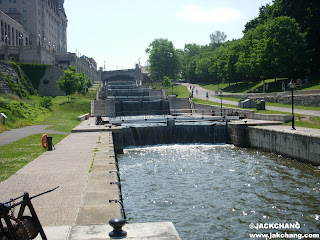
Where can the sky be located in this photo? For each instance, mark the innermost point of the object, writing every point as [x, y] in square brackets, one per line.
[116, 33]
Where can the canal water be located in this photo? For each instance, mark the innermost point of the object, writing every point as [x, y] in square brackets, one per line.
[217, 191]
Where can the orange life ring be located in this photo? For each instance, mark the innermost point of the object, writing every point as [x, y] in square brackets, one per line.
[44, 141]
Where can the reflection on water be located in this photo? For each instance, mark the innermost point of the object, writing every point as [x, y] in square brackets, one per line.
[216, 191]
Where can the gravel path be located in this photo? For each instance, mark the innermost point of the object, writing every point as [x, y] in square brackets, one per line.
[19, 133]
[200, 92]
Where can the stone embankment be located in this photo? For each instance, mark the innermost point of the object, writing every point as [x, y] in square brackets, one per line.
[302, 144]
[304, 98]
[6, 69]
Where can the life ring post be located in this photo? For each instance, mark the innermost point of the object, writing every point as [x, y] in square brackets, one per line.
[44, 141]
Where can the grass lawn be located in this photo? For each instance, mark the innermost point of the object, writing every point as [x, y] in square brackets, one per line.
[175, 89]
[313, 122]
[64, 113]
[63, 117]
[245, 86]
[17, 154]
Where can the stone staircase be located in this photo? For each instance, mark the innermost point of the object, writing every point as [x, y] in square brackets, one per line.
[104, 108]
[179, 106]
[98, 108]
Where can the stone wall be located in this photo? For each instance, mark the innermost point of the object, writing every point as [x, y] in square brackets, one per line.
[48, 83]
[7, 68]
[242, 113]
[304, 98]
[300, 145]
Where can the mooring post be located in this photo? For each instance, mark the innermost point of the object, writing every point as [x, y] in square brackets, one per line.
[117, 224]
[49, 142]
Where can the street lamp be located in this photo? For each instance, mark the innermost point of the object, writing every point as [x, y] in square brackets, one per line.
[21, 39]
[39, 36]
[6, 39]
[292, 86]
[220, 92]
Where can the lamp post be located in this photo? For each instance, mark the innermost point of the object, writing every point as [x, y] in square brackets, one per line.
[220, 92]
[6, 39]
[292, 86]
[21, 40]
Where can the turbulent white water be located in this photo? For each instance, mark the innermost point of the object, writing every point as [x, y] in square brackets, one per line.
[216, 191]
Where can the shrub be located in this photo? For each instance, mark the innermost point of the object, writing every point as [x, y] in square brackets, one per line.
[24, 81]
[46, 102]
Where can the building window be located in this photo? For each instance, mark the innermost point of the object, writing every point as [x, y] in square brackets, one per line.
[24, 10]
[24, 20]
[14, 10]
[10, 10]
[10, 1]
[14, 1]
[24, 1]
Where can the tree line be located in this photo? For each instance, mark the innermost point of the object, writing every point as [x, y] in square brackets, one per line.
[281, 42]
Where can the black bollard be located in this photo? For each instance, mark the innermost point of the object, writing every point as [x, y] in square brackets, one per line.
[49, 143]
[117, 224]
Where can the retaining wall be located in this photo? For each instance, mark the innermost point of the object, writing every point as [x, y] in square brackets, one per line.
[243, 113]
[48, 83]
[304, 98]
[300, 145]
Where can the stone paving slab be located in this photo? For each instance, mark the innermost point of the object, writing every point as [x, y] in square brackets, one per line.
[135, 231]
[299, 130]
[96, 208]
[98, 214]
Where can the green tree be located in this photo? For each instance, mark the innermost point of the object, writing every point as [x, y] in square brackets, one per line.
[166, 81]
[164, 59]
[286, 52]
[307, 15]
[218, 37]
[68, 83]
[83, 83]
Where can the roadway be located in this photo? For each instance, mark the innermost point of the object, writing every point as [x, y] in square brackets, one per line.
[200, 93]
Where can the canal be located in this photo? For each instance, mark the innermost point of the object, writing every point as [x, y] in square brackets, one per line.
[216, 191]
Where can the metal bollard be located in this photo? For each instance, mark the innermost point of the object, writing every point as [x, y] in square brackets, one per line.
[49, 142]
[117, 224]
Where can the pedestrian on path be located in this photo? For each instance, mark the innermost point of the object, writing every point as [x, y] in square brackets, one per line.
[283, 86]
[207, 95]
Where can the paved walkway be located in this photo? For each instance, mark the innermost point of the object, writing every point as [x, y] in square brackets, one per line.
[79, 208]
[212, 97]
[18, 133]
[67, 167]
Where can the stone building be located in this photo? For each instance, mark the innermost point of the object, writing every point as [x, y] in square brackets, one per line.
[35, 31]
[85, 65]
[12, 33]
[44, 20]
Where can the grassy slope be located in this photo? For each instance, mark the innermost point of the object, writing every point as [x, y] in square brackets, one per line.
[64, 113]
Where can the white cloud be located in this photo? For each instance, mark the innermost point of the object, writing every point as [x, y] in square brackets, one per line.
[218, 15]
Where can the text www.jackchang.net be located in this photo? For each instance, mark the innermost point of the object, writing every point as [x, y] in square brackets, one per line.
[284, 236]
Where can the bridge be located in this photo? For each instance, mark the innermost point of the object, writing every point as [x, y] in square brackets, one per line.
[130, 76]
